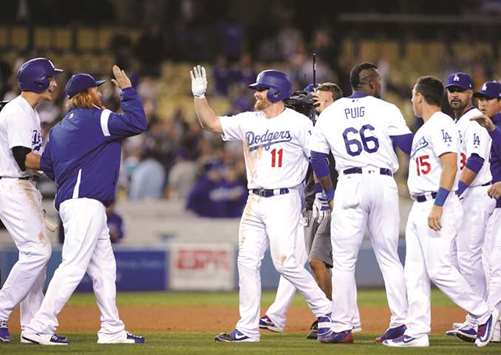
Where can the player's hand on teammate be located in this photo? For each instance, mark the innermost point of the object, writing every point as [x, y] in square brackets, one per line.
[485, 121]
[121, 79]
[495, 190]
[434, 219]
[321, 208]
[198, 81]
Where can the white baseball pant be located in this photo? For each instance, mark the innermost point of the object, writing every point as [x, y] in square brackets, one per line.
[359, 207]
[21, 213]
[429, 258]
[275, 220]
[86, 248]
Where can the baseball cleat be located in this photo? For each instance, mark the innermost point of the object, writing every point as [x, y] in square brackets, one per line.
[467, 333]
[235, 337]
[266, 323]
[313, 334]
[60, 337]
[406, 341]
[43, 339]
[486, 331]
[127, 338]
[392, 333]
[331, 337]
[324, 324]
[4, 332]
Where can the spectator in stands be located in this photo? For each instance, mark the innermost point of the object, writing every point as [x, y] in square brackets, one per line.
[148, 178]
[218, 193]
[181, 176]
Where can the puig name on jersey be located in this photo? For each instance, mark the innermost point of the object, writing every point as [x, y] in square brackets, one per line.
[267, 139]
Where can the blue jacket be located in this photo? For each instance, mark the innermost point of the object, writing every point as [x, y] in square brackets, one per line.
[496, 153]
[83, 152]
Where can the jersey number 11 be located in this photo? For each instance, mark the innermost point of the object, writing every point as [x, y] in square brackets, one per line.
[277, 157]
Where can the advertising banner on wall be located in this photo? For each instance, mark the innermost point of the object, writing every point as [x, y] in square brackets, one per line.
[203, 267]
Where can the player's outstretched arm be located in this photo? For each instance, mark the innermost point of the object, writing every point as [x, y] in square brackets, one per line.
[485, 121]
[205, 114]
[449, 169]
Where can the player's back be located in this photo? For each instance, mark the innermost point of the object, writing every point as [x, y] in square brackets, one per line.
[358, 131]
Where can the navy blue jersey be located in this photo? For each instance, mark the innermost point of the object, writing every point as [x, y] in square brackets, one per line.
[83, 152]
[496, 153]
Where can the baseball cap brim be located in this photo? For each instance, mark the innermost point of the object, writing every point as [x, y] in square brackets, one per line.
[100, 82]
[484, 95]
[257, 86]
[456, 86]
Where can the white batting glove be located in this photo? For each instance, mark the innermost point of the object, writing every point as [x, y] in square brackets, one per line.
[321, 209]
[198, 81]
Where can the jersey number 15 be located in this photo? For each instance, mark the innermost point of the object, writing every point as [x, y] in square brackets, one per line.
[423, 166]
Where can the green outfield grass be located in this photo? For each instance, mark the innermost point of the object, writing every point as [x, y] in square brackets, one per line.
[370, 297]
[203, 343]
[271, 344]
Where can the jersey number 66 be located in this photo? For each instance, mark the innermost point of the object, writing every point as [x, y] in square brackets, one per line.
[358, 141]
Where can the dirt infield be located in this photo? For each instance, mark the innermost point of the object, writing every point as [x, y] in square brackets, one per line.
[218, 318]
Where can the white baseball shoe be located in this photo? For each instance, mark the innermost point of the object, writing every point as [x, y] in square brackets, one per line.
[43, 339]
[125, 338]
[406, 341]
[485, 331]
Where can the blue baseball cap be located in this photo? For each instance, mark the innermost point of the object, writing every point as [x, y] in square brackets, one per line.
[459, 80]
[490, 90]
[81, 82]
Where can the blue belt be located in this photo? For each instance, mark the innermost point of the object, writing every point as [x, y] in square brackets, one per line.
[270, 192]
[382, 171]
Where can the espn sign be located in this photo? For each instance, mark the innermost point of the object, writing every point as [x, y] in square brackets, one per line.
[203, 267]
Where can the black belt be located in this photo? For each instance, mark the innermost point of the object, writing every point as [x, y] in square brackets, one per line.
[270, 192]
[382, 171]
[423, 198]
[20, 178]
[487, 183]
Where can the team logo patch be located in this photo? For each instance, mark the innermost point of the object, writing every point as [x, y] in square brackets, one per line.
[36, 140]
[446, 136]
[267, 139]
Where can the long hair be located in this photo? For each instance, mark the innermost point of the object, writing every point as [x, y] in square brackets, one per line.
[86, 99]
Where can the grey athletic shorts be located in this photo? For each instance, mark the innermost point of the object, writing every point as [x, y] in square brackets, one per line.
[317, 238]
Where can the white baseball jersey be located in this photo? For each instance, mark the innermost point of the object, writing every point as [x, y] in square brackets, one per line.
[275, 149]
[473, 138]
[435, 137]
[357, 131]
[19, 126]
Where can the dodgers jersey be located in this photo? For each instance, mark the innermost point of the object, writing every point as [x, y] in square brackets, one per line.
[275, 149]
[435, 137]
[357, 130]
[473, 138]
[19, 126]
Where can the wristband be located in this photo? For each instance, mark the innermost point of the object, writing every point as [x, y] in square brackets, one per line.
[441, 196]
[317, 187]
[330, 194]
[461, 188]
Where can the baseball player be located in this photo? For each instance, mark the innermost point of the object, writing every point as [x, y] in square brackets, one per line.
[474, 181]
[489, 102]
[360, 131]
[20, 201]
[83, 157]
[433, 222]
[274, 140]
[317, 236]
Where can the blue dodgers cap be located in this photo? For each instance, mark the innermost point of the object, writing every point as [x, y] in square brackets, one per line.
[459, 80]
[490, 90]
[81, 82]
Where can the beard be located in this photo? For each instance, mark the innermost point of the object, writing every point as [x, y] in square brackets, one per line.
[260, 104]
[457, 105]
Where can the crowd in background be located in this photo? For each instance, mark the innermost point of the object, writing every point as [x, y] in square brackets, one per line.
[175, 159]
